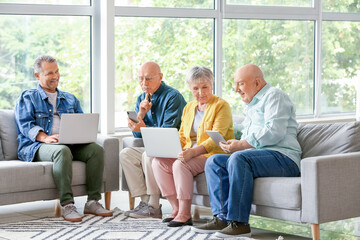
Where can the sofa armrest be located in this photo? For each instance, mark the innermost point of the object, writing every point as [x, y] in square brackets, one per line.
[330, 187]
[111, 160]
[132, 142]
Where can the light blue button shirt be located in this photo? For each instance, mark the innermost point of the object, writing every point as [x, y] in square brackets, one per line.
[270, 123]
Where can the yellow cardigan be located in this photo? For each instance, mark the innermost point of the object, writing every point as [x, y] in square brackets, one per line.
[217, 117]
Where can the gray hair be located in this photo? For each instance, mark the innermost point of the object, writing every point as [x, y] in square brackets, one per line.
[39, 60]
[199, 74]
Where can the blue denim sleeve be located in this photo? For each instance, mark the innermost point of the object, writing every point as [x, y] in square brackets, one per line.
[137, 134]
[78, 108]
[173, 112]
[25, 119]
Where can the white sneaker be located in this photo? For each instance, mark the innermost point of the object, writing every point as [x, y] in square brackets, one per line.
[95, 208]
[70, 213]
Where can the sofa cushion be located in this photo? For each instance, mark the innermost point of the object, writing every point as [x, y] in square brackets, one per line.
[329, 138]
[200, 185]
[1, 152]
[278, 192]
[8, 134]
[19, 176]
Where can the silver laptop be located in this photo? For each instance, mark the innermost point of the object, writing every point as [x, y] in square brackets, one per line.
[161, 142]
[78, 128]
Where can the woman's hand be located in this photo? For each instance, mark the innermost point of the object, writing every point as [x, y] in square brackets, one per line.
[234, 145]
[186, 154]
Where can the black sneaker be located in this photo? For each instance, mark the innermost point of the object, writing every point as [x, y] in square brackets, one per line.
[215, 225]
[234, 229]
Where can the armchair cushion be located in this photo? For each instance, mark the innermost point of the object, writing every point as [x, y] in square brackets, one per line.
[328, 139]
[8, 134]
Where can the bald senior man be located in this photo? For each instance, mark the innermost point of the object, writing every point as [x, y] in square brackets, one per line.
[158, 106]
[268, 148]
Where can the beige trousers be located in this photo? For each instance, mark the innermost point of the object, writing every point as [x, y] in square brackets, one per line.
[138, 172]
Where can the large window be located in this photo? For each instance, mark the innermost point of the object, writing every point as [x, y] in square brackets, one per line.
[340, 66]
[176, 44]
[298, 3]
[284, 50]
[167, 3]
[23, 38]
[63, 2]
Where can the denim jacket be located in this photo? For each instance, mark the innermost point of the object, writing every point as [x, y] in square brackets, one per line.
[34, 113]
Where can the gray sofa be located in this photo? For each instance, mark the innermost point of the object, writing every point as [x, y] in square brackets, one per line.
[32, 181]
[329, 186]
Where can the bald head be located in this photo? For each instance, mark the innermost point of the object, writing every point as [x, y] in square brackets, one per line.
[252, 72]
[150, 67]
[151, 76]
[249, 80]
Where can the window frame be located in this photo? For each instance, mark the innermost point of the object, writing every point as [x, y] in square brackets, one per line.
[103, 13]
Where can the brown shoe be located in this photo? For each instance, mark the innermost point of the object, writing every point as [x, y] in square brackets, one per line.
[234, 229]
[216, 224]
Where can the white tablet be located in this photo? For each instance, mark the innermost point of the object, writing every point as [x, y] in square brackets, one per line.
[215, 136]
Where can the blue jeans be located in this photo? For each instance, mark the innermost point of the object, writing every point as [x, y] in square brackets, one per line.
[230, 179]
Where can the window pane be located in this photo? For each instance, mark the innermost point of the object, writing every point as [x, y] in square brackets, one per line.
[59, 2]
[296, 3]
[175, 44]
[167, 3]
[23, 38]
[351, 6]
[340, 66]
[284, 51]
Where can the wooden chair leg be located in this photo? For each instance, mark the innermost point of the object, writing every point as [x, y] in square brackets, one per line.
[196, 215]
[131, 202]
[57, 210]
[107, 200]
[315, 230]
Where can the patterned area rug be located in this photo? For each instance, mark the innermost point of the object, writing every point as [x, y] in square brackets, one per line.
[92, 227]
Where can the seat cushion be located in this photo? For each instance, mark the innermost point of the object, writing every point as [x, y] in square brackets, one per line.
[8, 134]
[329, 138]
[19, 176]
[278, 192]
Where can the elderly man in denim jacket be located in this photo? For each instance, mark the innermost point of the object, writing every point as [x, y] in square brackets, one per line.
[38, 114]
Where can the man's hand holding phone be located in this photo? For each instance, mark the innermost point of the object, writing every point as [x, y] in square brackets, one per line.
[134, 121]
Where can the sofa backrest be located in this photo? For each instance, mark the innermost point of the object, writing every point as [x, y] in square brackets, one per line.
[8, 135]
[329, 138]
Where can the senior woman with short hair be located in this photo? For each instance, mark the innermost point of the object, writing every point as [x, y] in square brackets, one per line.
[174, 176]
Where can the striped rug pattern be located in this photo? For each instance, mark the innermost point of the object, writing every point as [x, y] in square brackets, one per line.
[92, 227]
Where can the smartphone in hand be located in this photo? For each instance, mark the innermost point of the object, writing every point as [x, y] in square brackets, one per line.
[133, 116]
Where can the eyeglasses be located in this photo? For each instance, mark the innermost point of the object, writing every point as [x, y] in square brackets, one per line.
[147, 79]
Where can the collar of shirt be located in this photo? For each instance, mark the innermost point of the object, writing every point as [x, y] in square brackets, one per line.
[43, 94]
[259, 95]
[158, 92]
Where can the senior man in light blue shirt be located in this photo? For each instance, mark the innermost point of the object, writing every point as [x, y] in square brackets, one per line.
[268, 148]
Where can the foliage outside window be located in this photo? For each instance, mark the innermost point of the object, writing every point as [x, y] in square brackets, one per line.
[284, 51]
[340, 66]
[176, 44]
[167, 3]
[351, 6]
[23, 38]
[297, 3]
[62, 2]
